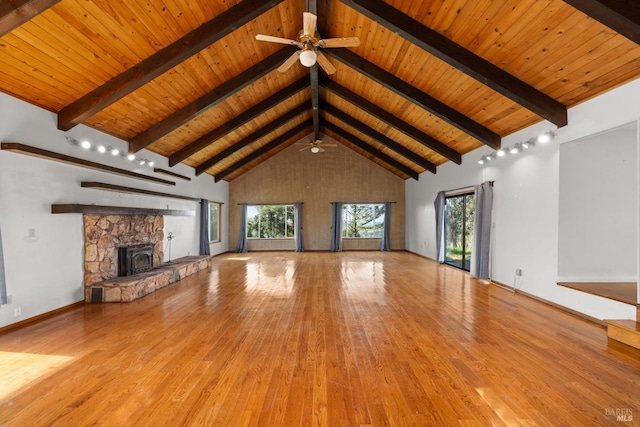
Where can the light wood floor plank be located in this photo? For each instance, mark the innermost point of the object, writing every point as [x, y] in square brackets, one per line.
[353, 338]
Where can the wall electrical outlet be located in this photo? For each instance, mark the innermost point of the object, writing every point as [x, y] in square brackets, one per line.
[17, 312]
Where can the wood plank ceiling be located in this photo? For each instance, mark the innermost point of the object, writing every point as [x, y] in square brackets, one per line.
[430, 81]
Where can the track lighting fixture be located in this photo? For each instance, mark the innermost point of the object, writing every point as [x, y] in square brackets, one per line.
[518, 147]
[108, 149]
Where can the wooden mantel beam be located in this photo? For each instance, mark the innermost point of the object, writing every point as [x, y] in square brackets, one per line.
[461, 58]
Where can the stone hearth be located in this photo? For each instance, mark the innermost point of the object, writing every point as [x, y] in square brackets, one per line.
[129, 288]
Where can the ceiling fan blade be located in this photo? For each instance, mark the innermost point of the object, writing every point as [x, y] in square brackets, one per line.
[320, 150]
[306, 148]
[309, 24]
[340, 42]
[326, 65]
[289, 62]
[273, 39]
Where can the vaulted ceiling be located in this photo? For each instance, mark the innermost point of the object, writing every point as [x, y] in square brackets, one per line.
[429, 82]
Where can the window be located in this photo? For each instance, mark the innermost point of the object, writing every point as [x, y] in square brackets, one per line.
[214, 222]
[458, 229]
[363, 220]
[270, 222]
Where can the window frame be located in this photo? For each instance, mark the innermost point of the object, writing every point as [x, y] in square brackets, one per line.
[279, 205]
[345, 227]
[218, 206]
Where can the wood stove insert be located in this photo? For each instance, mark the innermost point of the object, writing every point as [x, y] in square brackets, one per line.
[135, 259]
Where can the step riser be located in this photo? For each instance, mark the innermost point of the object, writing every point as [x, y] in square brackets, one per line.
[625, 336]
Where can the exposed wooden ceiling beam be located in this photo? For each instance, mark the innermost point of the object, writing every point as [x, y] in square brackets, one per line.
[312, 6]
[315, 101]
[369, 149]
[14, 13]
[307, 124]
[416, 96]
[462, 59]
[382, 139]
[390, 119]
[237, 121]
[217, 95]
[622, 16]
[260, 133]
[161, 62]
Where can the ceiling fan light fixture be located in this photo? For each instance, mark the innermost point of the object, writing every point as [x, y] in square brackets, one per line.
[315, 149]
[308, 58]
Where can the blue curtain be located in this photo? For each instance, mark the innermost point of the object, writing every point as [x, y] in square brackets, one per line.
[204, 227]
[242, 237]
[385, 244]
[336, 227]
[298, 232]
[3, 282]
[439, 205]
[480, 253]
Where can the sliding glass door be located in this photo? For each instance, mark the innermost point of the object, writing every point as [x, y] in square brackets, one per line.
[458, 229]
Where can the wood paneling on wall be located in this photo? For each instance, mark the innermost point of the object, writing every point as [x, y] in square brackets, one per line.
[338, 174]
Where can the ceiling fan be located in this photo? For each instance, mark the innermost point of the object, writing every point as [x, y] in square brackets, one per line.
[315, 146]
[309, 41]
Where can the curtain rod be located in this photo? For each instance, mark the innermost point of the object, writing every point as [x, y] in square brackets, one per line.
[362, 203]
[467, 187]
[270, 204]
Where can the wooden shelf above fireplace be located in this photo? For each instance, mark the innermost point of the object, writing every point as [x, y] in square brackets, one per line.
[115, 210]
[16, 147]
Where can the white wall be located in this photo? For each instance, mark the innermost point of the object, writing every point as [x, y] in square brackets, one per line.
[45, 272]
[526, 200]
[598, 216]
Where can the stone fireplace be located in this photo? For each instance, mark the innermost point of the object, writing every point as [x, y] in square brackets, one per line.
[104, 235]
[109, 229]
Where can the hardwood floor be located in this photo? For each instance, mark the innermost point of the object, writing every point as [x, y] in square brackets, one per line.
[355, 338]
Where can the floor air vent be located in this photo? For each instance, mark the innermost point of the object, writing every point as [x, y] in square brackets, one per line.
[97, 295]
